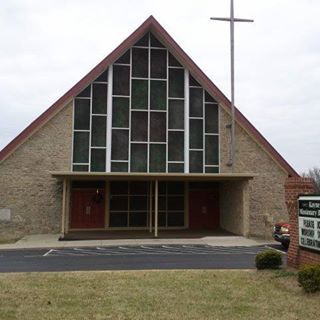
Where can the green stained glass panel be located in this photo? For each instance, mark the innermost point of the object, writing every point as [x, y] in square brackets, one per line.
[158, 64]
[139, 99]
[139, 126]
[157, 158]
[119, 167]
[81, 147]
[98, 131]
[196, 102]
[81, 114]
[175, 167]
[80, 167]
[99, 98]
[176, 83]
[212, 169]
[211, 118]
[140, 59]
[212, 150]
[176, 114]
[98, 160]
[158, 126]
[138, 161]
[196, 134]
[120, 112]
[121, 80]
[158, 95]
[120, 144]
[175, 146]
[196, 161]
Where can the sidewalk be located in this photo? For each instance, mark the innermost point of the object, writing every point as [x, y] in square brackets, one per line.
[52, 241]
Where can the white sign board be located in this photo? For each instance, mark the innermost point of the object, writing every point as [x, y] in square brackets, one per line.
[309, 222]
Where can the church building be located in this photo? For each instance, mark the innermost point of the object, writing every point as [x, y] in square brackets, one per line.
[141, 144]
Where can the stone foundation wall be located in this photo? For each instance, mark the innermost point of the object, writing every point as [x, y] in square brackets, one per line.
[27, 189]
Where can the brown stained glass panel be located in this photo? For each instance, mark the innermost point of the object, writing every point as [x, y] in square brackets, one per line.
[175, 146]
[196, 134]
[81, 114]
[157, 158]
[158, 126]
[103, 77]
[138, 161]
[158, 95]
[121, 80]
[212, 150]
[208, 98]
[175, 167]
[79, 167]
[99, 98]
[176, 114]
[154, 42]
[85, 93]
[81, 147]
[119, 167]
[196, 161]
[211, 118]
[176, 83]
[196, 102]
[158, 64]
[140, 62]
[98, 160]
[98, 131]
[139, 126]
[125, 58]
[120, 112]
[212, 169]
[120, 144]
[139, 99]
[173, 62]
[144, 41]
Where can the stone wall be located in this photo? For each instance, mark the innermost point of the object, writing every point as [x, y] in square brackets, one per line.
[266, 191]
[234, 206]
[26, 186]
[294, 187]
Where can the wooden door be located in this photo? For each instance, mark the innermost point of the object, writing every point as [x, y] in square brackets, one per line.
[204, 208]
[87, 208]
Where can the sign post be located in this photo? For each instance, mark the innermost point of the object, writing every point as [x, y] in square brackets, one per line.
[309, 222]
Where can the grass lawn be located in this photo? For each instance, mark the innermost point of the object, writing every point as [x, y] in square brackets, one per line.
[156, 295]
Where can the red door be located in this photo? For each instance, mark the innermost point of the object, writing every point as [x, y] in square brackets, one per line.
[87, 208]
[204, 208]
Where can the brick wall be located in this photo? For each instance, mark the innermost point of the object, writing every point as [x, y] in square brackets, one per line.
[293, 188]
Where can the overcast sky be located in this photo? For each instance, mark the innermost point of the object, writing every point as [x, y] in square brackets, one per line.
[47, 46]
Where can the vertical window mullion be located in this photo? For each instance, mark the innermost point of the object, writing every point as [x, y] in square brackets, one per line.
[149, 67]
[90, 126]
[186, 121]
[109, 119]
[130, 108]
[203, 133]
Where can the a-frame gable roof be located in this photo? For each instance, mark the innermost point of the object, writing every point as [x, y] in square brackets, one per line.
[151, 24]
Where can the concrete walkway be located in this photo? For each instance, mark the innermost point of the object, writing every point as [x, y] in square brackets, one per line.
[52, 241]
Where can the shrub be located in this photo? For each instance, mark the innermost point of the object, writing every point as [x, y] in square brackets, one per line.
[268, 259]
[309, 278]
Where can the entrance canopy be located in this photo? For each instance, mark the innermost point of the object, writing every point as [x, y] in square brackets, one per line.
[152, 176]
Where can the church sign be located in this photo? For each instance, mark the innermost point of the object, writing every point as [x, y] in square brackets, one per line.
[309, 222]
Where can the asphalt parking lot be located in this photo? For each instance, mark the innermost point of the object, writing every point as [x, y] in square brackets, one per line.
[131, 258]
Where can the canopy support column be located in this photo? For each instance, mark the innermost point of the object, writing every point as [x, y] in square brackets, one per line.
[64, 197]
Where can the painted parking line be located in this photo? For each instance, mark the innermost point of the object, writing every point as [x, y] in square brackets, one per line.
[157, 250]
